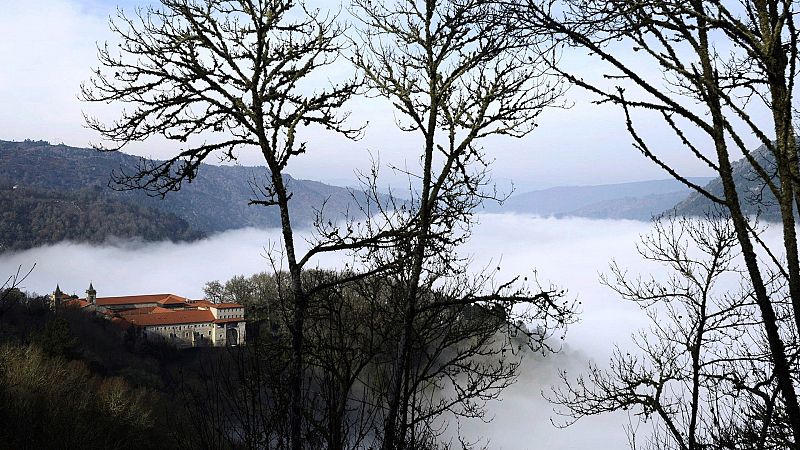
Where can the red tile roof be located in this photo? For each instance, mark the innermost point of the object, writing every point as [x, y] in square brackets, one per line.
[173, 300]
[75, 303]
[174, 317]
[144, 310]
[136, 299]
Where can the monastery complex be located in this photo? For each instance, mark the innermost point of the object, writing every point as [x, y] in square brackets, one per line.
[167, 318]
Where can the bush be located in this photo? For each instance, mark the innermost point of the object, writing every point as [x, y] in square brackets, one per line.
[49, 402]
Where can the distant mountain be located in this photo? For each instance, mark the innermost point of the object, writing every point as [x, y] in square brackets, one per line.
[756, 199]
[58, 181]
[636, 201]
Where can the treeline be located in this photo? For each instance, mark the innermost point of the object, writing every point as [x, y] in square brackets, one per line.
[214, 202]
[31, 217]
[51, 402]
[756, 199]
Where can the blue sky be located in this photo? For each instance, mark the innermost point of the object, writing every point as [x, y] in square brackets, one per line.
[48, 48]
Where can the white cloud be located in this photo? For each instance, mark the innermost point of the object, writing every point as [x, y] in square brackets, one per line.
[570, 253]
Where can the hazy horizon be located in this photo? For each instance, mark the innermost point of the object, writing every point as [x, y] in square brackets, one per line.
[343, 182]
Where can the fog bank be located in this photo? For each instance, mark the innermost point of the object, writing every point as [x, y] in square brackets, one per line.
[568, 252]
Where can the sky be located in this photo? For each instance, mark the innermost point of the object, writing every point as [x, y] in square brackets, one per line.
[48, 47]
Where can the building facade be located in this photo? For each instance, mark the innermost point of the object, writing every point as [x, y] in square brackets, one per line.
[165, 318]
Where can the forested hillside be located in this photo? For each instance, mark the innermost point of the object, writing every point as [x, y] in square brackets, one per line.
[31, 217]
[64, 192]
[756, 198]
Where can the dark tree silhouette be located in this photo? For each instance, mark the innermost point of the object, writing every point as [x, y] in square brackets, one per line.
[454, 81]
[224, 76]
[701, 374]
[10, 289]
[221, 77]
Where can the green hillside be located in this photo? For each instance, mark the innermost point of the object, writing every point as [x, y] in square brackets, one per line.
[31, 217]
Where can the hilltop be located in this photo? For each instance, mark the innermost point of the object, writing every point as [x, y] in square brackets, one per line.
[644, 200]
[756, 199]
[50, 193]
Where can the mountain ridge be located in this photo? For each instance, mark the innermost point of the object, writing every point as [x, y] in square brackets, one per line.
[638, 200]
[755, 198]
[215, 201]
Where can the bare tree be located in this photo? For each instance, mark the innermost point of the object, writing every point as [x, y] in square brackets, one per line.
[236, 75]
[453, 81]
[225, 76]
[239, 399]
[465, 351]
[9, 290]
[712, 100]
[702, 372]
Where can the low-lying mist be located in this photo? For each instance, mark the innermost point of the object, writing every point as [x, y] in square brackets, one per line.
[567, 252]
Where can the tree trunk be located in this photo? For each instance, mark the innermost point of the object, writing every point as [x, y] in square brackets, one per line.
[777, 348]
[418, 257]
[300, 305]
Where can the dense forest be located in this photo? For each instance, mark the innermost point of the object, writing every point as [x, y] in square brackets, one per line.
[55, 182]
[758, 200]
[52, 193]
[71, 378]
[32, 217]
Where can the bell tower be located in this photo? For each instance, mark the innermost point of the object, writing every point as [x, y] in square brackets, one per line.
[55, 298]
[91, 294]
